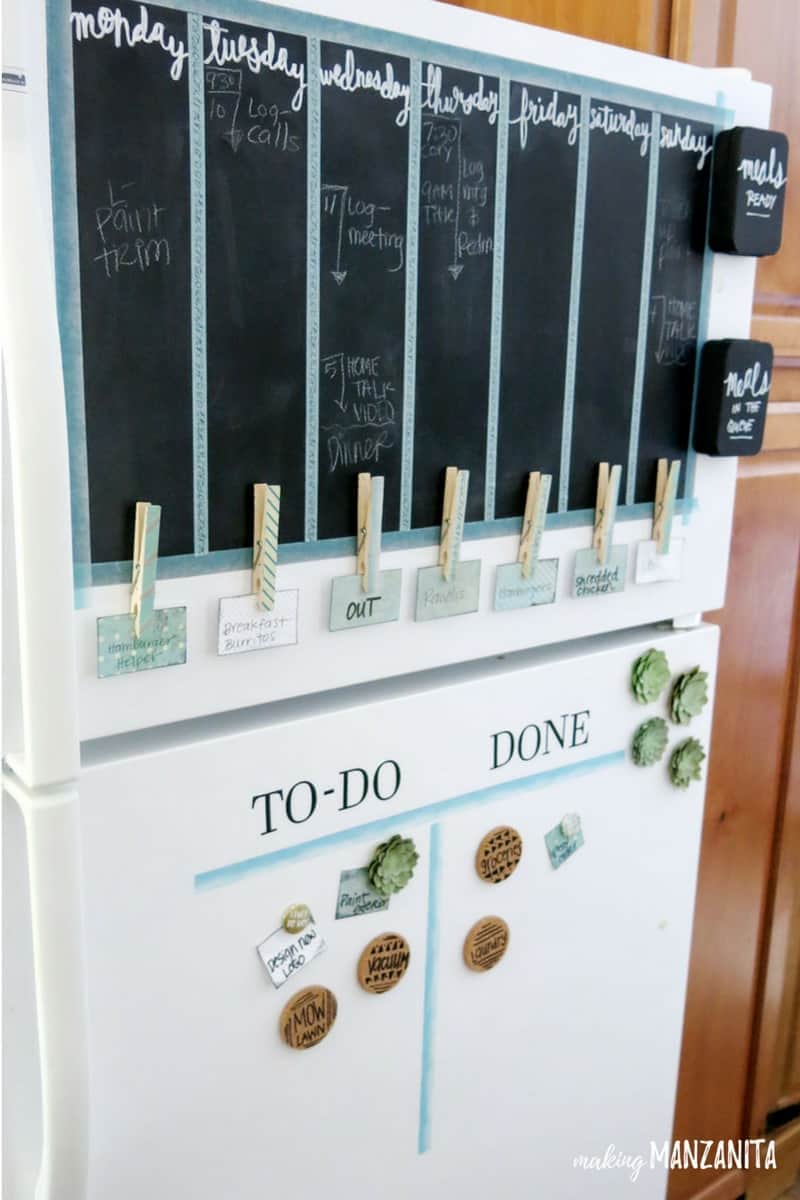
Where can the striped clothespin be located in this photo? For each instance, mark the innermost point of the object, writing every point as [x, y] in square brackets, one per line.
[454, 509]
[145, 563]
[605, 514]
[266, 521]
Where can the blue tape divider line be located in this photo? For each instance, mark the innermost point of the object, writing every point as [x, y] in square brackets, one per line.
[574, 306]
[429, 1000]
[644, 309]
[176, 566]
[313, 194]
[496, 326]
[233, 872]
[725, 121]
[412, 264]
[67, 275]
[197, 203]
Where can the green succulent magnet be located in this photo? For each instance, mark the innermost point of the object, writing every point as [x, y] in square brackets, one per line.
[649, 676]
[650, 742]
[689, 696]
[684, 765]
[392, 865]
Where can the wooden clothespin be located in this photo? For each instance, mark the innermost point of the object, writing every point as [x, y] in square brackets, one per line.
[370, 529]
[536, 503]
[145, 563]
[266, 522]
[666, 495]
[605, 510]
[456, 486]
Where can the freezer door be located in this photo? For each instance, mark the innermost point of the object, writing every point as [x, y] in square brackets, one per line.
[514, 1080]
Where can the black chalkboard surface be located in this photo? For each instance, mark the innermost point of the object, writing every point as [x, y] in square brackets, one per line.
[684, 170]
[456, 253]
[611, 281]
[255, 151]
[540, 219]
[309, 250]
[132, 161]
[364, 190]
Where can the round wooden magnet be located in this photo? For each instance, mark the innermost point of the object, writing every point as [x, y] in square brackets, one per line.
[498, 854]
[308, 1017]
[383, 962]
[486, 943]
[296, 917]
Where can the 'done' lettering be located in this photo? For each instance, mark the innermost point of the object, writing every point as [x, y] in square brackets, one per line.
[392, 773]
[526, 741]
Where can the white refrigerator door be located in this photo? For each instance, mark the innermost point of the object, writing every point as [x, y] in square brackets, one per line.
[552, 1074]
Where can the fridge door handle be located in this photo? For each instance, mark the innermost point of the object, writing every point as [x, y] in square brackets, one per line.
[53, 843]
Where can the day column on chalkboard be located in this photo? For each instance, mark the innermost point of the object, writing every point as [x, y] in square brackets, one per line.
[460, 116]
[540, 220]
[365, 99]
[133, 206]
[620, 144]
[255, 83]
[684, 173]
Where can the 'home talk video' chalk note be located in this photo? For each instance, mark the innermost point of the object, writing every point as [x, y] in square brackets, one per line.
[244, 627]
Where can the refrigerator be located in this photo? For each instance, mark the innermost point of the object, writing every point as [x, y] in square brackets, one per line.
[379, 905]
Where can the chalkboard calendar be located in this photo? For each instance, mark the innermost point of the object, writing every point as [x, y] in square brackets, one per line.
[301, 249]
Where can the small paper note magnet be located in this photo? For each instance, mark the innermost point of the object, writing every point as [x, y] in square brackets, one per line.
[357, 896]
[564, 839]
[486, 943]
[308, 1018]
[498, 854]
[748, 190]
[383, 963]
[392, 865]
[371, 596]
[735, 377]
[284, 953]
[145, 637]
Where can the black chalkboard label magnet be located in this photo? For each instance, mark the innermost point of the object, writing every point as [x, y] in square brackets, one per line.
[266, 522]
[529, 581]
[748, 188]
[735, 377]
[145, 637]
[605, 513]
[451, 588]
[370, 596]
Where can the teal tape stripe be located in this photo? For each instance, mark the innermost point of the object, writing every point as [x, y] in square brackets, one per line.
[429, 1000]
[197, 200]
[312, 289]
[498, 264]
[67, 276]
[233, 872]
[644, 309]
[574, 306]
[412, 264]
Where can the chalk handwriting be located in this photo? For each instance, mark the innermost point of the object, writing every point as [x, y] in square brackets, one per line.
[110, 22]
[240, 48]
[756, 170]
[679, 136]
[547, 110]
[675, 321]
[130, 235]
[755, 382]
[442, 103]
[609, 120]
[350, 78]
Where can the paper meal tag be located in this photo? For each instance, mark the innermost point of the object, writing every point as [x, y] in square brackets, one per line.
[162, 642]
[352, 607]
[439, 597]
[284, 954]
[513, 590]
[242, 626]
[652, 567]
[592, 579]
